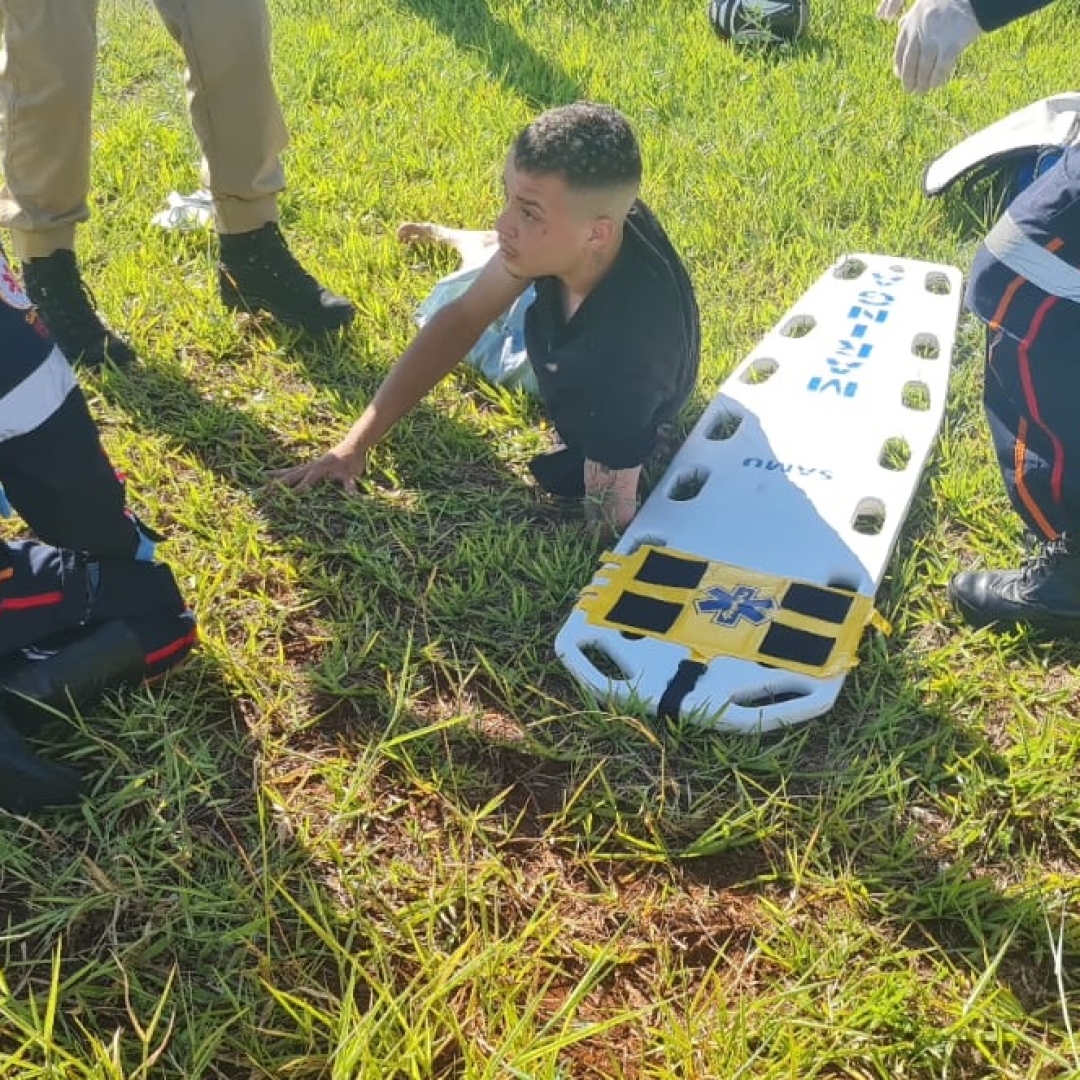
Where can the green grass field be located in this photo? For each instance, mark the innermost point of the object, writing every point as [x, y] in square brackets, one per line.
[371, 829]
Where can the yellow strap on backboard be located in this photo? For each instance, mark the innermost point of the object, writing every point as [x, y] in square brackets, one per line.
[716, 609]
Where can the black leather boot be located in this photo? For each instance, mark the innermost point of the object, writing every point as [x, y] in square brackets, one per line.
[258, 272]
[69, 676]
[57, 290]
[28, 782]
[1044, 592]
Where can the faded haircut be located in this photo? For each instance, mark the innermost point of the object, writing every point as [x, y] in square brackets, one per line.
[590, 146]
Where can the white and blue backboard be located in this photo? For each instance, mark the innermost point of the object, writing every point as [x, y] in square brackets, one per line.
[802, 469]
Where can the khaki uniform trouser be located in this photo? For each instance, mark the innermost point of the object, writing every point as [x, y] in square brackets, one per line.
[47, 71]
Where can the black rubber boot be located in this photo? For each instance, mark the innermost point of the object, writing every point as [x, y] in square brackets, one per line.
[74, 674]
[258, 272]
[1043, 593]
[56, 288]
[28, 782]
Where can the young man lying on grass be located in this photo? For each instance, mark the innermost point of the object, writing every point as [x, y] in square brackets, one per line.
[613, 333]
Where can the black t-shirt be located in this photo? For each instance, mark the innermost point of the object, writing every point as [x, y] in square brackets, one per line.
[628, 359]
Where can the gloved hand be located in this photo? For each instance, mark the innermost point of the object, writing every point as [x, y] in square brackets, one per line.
[932, 35]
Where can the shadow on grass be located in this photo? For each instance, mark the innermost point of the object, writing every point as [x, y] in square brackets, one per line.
[163, 898]
[430, 666]
[707, 848]
[397, 564]
[473, 28]
[184, 885]
[972, 207]
[844, 818]
[958, 886]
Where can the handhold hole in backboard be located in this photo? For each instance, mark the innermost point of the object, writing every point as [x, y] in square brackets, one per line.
[798, 326]
[915, 396]
[849, 269]
[688, 485]
[926, 346]
[761, 370]
[938, 283]
[869, 517]
[646, 541]
[630, 635]
[723, 425]
[603, 661]
[842, 583]
[895, 454]
[760, 699]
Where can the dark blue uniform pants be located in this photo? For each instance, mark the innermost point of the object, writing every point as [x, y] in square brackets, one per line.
[1032, 380]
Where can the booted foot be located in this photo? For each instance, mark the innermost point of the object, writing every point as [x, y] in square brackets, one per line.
[57, 290]
[28, 782]
[258, 272]
[1044, 593]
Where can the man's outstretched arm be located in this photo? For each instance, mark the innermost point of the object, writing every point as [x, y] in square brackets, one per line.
[435, 351]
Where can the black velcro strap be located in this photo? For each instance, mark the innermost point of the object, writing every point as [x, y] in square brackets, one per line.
[800, 646]
[829, 605]
[677, 573]
[644, 613]
[682, 682]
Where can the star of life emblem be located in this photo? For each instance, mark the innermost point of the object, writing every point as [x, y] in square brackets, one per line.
[729, 607]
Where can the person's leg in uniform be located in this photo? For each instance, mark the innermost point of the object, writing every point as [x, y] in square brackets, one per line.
[237, 119]
[86, 607]
[1032, 386]
[46, 88]
[1029, 399]
[53, 468]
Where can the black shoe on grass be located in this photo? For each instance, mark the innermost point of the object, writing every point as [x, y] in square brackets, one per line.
[258, 272]
[56, 288]
[28, 782]
[1044, 593]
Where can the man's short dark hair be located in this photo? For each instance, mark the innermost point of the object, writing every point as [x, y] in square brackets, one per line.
[591, 146]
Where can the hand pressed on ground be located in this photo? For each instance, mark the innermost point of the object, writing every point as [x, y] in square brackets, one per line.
[340, 465]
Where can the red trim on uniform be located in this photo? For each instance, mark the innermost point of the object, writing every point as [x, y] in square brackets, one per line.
[21, 603]
[171, 649]
[1020, 448]
[1014, 285]
[1006, 300]
[1019, 456]
[1057, 468]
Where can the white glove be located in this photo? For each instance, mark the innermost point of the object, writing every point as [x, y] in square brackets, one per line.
[932, 35]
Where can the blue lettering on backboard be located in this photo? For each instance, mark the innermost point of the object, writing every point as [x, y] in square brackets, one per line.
[849, 389]
[772, 465]
[853, 350]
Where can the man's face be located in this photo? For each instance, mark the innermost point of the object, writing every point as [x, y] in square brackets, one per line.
[544, 226]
